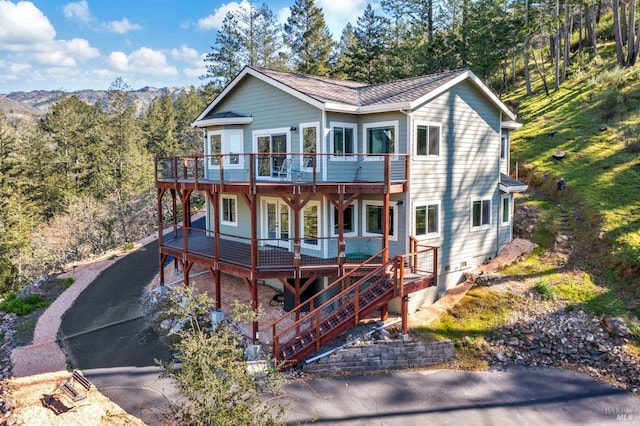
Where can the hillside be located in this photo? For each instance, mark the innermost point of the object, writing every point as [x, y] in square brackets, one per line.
[595, 120]
[38, 102]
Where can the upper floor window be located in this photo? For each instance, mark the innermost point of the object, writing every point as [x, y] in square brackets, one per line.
[427, 140]
[381, 138]
[343, 139]
[229, 145]
[481, 213]
[309, 135]
[427, 219]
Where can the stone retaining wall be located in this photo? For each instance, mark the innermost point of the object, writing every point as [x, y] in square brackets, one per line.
[383, 355]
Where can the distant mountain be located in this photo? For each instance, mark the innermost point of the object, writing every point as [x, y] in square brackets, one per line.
[38, 102]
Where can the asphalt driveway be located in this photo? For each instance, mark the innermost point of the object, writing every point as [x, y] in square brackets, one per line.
[105, 335]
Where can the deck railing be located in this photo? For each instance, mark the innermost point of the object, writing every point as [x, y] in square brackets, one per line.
[273, 253]
[302, 168]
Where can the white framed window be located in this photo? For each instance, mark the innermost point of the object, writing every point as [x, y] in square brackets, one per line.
[343, 140]
[426, 219]
[373, 219]
[229, 210]
[505, 210]
[380, 138]
[229, 144]
[427, 140]
[504, 145]
[310, 224]
[350, 219]
[480, 213]
[273, 147]
[309, 143]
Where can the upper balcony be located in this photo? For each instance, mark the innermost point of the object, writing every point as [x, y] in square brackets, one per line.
[265, 172]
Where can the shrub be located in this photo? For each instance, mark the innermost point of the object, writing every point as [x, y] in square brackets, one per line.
[23, 305]
[128, 247]
[66, 283]
[545, 290]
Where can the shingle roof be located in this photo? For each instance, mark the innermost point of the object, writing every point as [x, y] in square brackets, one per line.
[509, 184]
[319, 88]
[361, 94]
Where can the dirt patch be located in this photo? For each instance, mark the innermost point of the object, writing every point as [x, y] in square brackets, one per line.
[27, 408]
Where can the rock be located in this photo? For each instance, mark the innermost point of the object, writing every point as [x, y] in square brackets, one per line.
[166, 324]
[616, 326]
[500, 357]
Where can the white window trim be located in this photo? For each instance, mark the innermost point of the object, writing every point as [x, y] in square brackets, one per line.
[355, 220]
[302, 126]
[394, 209]
[428, 235]
[481, 227]
[319, 237]
[502, 198]
[415, 140]
[224, 148]
[367, 126]
[222, 221]
[343, 157]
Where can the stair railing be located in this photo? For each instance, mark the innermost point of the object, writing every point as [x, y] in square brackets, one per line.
[334, 288]
[311, 322]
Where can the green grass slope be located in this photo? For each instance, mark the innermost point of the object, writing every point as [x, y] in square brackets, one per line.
[595, 119]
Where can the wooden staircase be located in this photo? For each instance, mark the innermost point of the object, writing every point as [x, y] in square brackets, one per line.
[357, 294]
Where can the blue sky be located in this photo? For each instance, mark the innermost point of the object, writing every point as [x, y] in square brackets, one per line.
[87, 44]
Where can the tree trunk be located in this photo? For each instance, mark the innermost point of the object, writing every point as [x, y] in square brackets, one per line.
[594, 22]
[632, 51]
[617, 32]
[568, 23]
[527, 79]
[556, 46]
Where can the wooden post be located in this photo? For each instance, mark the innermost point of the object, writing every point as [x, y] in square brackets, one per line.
[254, 308]
[385, 209]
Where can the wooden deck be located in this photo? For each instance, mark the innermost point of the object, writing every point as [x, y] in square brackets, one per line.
[272, 261]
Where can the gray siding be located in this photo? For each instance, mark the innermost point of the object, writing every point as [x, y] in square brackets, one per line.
[270, 108]
[468, 169]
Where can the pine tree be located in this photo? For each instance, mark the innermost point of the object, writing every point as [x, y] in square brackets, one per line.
[369, 61]
[308, 39]
[223, 62]
[160, 127]
[341, 63]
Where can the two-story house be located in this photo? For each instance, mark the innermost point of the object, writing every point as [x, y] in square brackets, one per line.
[343, 193]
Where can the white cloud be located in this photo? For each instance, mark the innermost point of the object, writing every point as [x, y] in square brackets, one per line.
[122, 26]
[78, 11]
[119, 61]
[338, 12]
[80, 49]
[194, 72]
[143, 61]
[215, 20]
[23, 27]
[187, 54]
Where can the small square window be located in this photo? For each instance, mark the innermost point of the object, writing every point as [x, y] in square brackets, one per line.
[427, 140]
[427, 219]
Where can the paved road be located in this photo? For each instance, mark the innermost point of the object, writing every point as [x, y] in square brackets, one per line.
[515, 396]
[104, 335]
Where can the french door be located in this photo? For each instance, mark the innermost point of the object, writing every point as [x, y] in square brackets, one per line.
[272, 149]
[275, 223]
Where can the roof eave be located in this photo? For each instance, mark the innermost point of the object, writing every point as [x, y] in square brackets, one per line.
[221, 121]
[511, 125]
[512, 189]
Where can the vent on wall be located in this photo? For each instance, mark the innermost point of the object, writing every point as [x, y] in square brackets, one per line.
[447, 268]
[463, 264]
